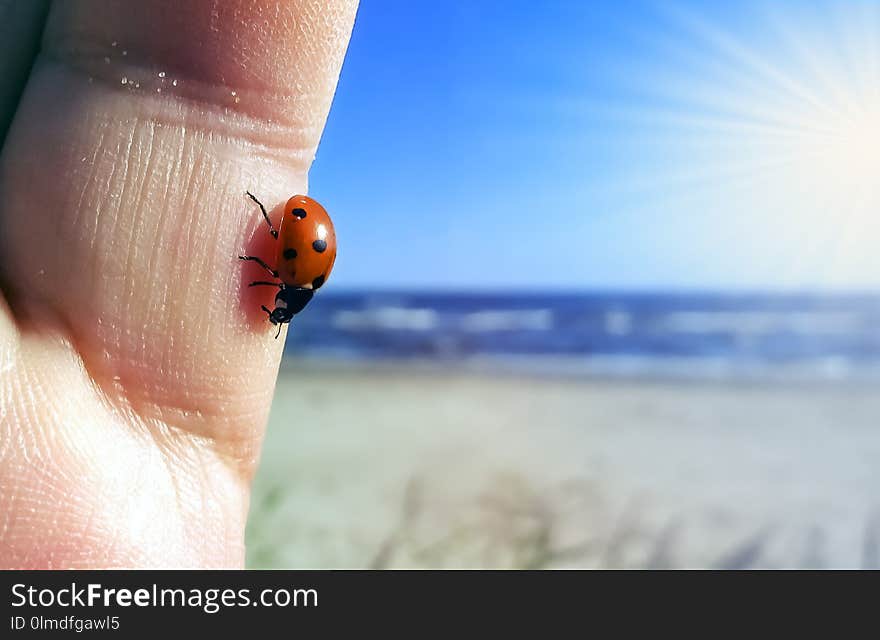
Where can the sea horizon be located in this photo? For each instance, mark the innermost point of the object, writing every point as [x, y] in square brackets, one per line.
[720, 335]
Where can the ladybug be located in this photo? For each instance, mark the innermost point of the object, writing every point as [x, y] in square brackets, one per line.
[305, 256]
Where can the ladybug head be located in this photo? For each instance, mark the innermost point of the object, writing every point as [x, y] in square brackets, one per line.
[289, 302]
[280, 315]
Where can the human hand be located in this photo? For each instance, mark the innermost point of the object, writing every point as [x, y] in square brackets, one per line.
[136, 369]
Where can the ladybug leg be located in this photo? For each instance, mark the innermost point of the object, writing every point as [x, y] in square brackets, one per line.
[272, 229]
[263, 282]
[260, 262]
[269, 313]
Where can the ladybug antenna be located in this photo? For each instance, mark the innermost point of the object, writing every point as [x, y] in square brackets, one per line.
[272, 229]
[278, 333]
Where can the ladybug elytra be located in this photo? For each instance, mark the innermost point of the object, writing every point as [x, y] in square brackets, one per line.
[304, 259]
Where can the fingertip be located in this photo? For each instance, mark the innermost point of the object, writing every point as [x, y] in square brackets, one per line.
[275, 61]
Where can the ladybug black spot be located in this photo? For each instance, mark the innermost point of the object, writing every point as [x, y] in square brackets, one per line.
[299, 213]
[289, 254]
[320, 246]
[317, 282]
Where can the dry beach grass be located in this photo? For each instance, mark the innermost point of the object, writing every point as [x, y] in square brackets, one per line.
[410, 467]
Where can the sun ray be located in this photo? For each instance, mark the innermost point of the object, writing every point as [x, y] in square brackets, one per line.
[781, 129]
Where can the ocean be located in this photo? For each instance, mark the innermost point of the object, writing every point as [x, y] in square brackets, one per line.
[801, 337]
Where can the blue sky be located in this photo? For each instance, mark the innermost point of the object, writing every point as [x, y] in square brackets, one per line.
[584, 145]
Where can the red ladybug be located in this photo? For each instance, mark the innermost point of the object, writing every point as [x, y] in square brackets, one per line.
[305, 257]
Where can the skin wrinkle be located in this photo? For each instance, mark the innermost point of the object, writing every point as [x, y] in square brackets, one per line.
[139, 237]
[142, 193]
[52, 481]
[167, 417]
[194, 196]
[169, 455]
[96, 247]
[37, 463]
[154, 264]
[120, 216]
[88, 183]
[193, 103]
[37, 442]
[93, 227]
[112, 210]
[36, 397]
[181, 142]
[42, 476]
[161, 219]
[190, 227]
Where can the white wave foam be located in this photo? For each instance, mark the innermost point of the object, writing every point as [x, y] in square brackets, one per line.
[762, 322]
[393, 318]
[618, 323]
[508, 320]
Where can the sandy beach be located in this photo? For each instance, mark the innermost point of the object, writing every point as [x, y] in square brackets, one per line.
[393, 466]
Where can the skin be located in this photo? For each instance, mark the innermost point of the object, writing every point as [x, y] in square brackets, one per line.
[136, 368]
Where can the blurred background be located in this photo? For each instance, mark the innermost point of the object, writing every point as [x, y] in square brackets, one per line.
[605, 294]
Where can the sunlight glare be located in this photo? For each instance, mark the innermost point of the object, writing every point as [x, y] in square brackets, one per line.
[775, 128]
[846, 152]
